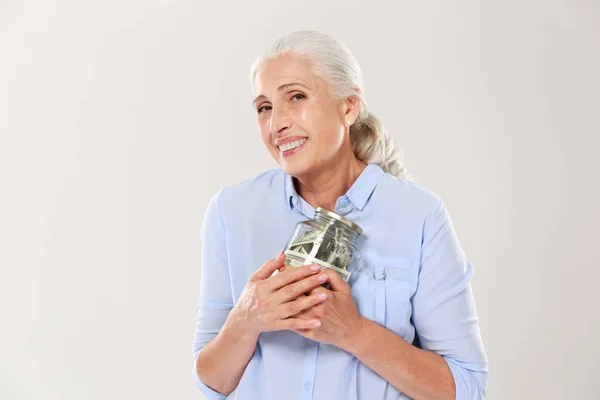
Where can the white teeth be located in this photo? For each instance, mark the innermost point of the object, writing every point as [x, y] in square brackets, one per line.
[292, 145]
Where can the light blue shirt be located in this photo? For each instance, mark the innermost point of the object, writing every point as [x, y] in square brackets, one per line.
[415, 281]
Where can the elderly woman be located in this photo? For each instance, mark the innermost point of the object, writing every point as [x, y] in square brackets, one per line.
[408, 330]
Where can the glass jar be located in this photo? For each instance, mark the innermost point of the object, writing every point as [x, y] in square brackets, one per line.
[328, 240]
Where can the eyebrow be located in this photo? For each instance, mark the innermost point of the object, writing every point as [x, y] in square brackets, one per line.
[280, 88]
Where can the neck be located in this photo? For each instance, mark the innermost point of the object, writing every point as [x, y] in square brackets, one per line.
[323, 188]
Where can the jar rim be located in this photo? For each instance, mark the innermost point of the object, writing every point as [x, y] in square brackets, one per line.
[340, 218]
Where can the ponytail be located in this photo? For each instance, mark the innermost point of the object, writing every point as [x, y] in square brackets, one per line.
[373, 144]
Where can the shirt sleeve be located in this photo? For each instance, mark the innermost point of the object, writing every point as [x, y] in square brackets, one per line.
[444, 313]
[215, 300]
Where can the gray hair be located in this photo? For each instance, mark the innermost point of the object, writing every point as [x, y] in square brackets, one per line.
[333, 62]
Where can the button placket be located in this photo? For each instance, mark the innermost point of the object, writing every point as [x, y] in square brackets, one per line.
[380, 295]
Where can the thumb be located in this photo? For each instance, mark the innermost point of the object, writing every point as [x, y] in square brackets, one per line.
[336, 282]
[269, 267]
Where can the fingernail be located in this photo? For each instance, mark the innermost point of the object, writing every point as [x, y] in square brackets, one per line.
[317, 323]
[315, 267]
[322, 296]
[322, 278]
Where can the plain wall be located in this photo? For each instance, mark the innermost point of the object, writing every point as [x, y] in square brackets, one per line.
[120, 119]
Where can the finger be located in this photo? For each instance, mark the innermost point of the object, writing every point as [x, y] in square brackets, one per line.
[268, 268]
[302, 331]
[285, 267]
[296, 324]
[336, 282]
[300, 287]
[302, 303]
[291, 275]
[320, 289]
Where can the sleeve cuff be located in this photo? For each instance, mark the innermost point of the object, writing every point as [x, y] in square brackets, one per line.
[470, 380]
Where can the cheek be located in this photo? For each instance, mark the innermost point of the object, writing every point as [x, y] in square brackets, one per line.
[310, 118]
[322, 127]
[315, 121]
[265, 135]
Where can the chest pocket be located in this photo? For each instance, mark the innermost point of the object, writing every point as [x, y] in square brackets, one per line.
[382, 292]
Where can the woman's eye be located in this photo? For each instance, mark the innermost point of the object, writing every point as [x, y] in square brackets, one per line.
[262, 109]
[298, 96]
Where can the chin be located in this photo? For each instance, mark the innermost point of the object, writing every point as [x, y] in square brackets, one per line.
[298, 167]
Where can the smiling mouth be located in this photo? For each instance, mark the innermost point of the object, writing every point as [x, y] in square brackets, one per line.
[292, 145]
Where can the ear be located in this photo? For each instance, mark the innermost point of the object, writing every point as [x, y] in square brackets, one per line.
[350, 108]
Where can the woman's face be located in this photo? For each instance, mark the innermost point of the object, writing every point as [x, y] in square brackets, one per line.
[301, 126]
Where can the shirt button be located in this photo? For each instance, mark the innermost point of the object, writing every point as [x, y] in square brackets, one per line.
[307, 386]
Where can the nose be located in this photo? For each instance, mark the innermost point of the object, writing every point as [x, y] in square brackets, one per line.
[279, 121]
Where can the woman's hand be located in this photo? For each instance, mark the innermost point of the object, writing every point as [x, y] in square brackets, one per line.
[268, 303]
[340, 319]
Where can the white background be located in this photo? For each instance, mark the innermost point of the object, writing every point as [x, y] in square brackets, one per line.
[120, 119]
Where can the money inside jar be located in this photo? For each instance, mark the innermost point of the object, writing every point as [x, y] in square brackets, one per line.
[328, 240]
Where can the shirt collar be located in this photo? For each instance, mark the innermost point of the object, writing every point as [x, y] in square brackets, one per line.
[358, 194]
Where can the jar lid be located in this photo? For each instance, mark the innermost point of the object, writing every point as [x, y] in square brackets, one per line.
[340, 218]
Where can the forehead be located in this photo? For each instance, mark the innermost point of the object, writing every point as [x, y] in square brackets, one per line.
[283, 70]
